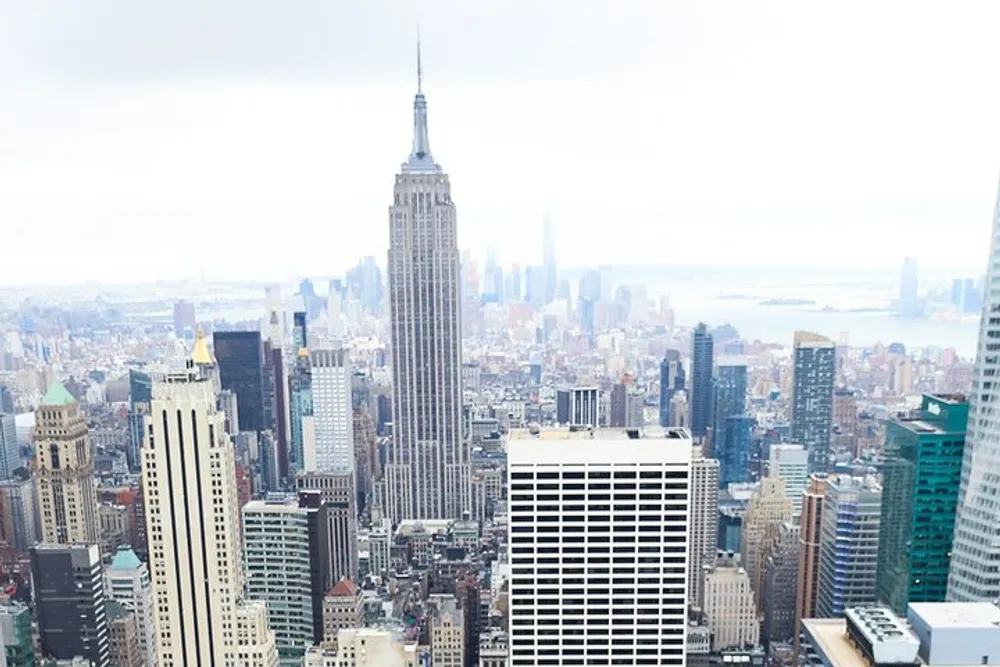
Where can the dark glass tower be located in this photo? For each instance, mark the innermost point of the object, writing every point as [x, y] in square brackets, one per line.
[240, 357]
[671, 381]
[701, 380]
[730, 396]
[69, 602]
[921, 479]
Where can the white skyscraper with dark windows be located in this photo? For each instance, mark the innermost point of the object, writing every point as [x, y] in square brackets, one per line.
[333, 418]
[428, 473]
[598, 535]
[973, 574]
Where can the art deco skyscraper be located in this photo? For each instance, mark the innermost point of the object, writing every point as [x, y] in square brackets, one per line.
[192, 514]
[67, 497]
[428, 474]
[973, 574]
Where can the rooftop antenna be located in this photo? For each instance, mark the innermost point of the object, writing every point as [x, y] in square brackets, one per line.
[420, 69]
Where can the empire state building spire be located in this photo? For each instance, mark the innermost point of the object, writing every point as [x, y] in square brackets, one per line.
[420, 160]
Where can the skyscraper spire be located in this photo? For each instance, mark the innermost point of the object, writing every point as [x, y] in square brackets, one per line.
[420, 160]
[420, 69]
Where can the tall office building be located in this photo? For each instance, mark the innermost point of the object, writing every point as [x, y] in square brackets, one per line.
[184, 318]
[127, 582]
[791, 463]
[579, 406]
[139, 385]
[920, 482]
[276, 398]
[428, 476]
[15, 631]
[302, 421]
[909, 300]
[733, 450]
[704, 535]
[10, 451]
[340, 496]
[562, 605]
[815, 368]
[701, 397]
[195, 560]
[810, 535]
[19, 513]
[240, 357]
[768, 505]
[730, 609]
[64, 460]
[848, 553]
[333, 414]
[781, 564]
[975, 551]
[69, 602]
[729, 389]
[287, 563]
[671, 381]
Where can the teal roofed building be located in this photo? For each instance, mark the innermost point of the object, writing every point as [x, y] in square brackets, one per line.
[58, 394]
[921, 478]
[127, 582]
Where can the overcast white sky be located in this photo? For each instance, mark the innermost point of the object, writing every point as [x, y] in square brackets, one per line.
[259, 139]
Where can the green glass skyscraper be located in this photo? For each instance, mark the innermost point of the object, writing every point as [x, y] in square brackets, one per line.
[922, 474]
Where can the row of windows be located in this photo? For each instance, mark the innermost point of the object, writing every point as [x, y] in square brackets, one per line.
[599, 474]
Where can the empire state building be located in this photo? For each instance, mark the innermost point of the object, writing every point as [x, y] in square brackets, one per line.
[427, 475]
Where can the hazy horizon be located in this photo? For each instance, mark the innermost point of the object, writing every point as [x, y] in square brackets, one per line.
[255, 141]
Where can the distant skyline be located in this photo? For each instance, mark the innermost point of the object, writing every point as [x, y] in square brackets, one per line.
[257, 141]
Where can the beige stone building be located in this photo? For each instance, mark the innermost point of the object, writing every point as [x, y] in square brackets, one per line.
[192, 515]
[810, 529]
[123, 635]
[342, 610]
[447, 634]
[768, 505]
[64, 460]
[114, 527]
[364, 647]
[730, 608]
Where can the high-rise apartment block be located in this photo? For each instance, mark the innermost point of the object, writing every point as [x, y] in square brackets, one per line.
[701, 397]
[428, 474]
[814, 372]
[192, 515]
[584, 505]
[852, 510]
[123, 636]
[287, 565]
[703, 543]
[920, 483]
[302, 420]
[791, 463]
[332, 411]
[70, 603]
[64, 459]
